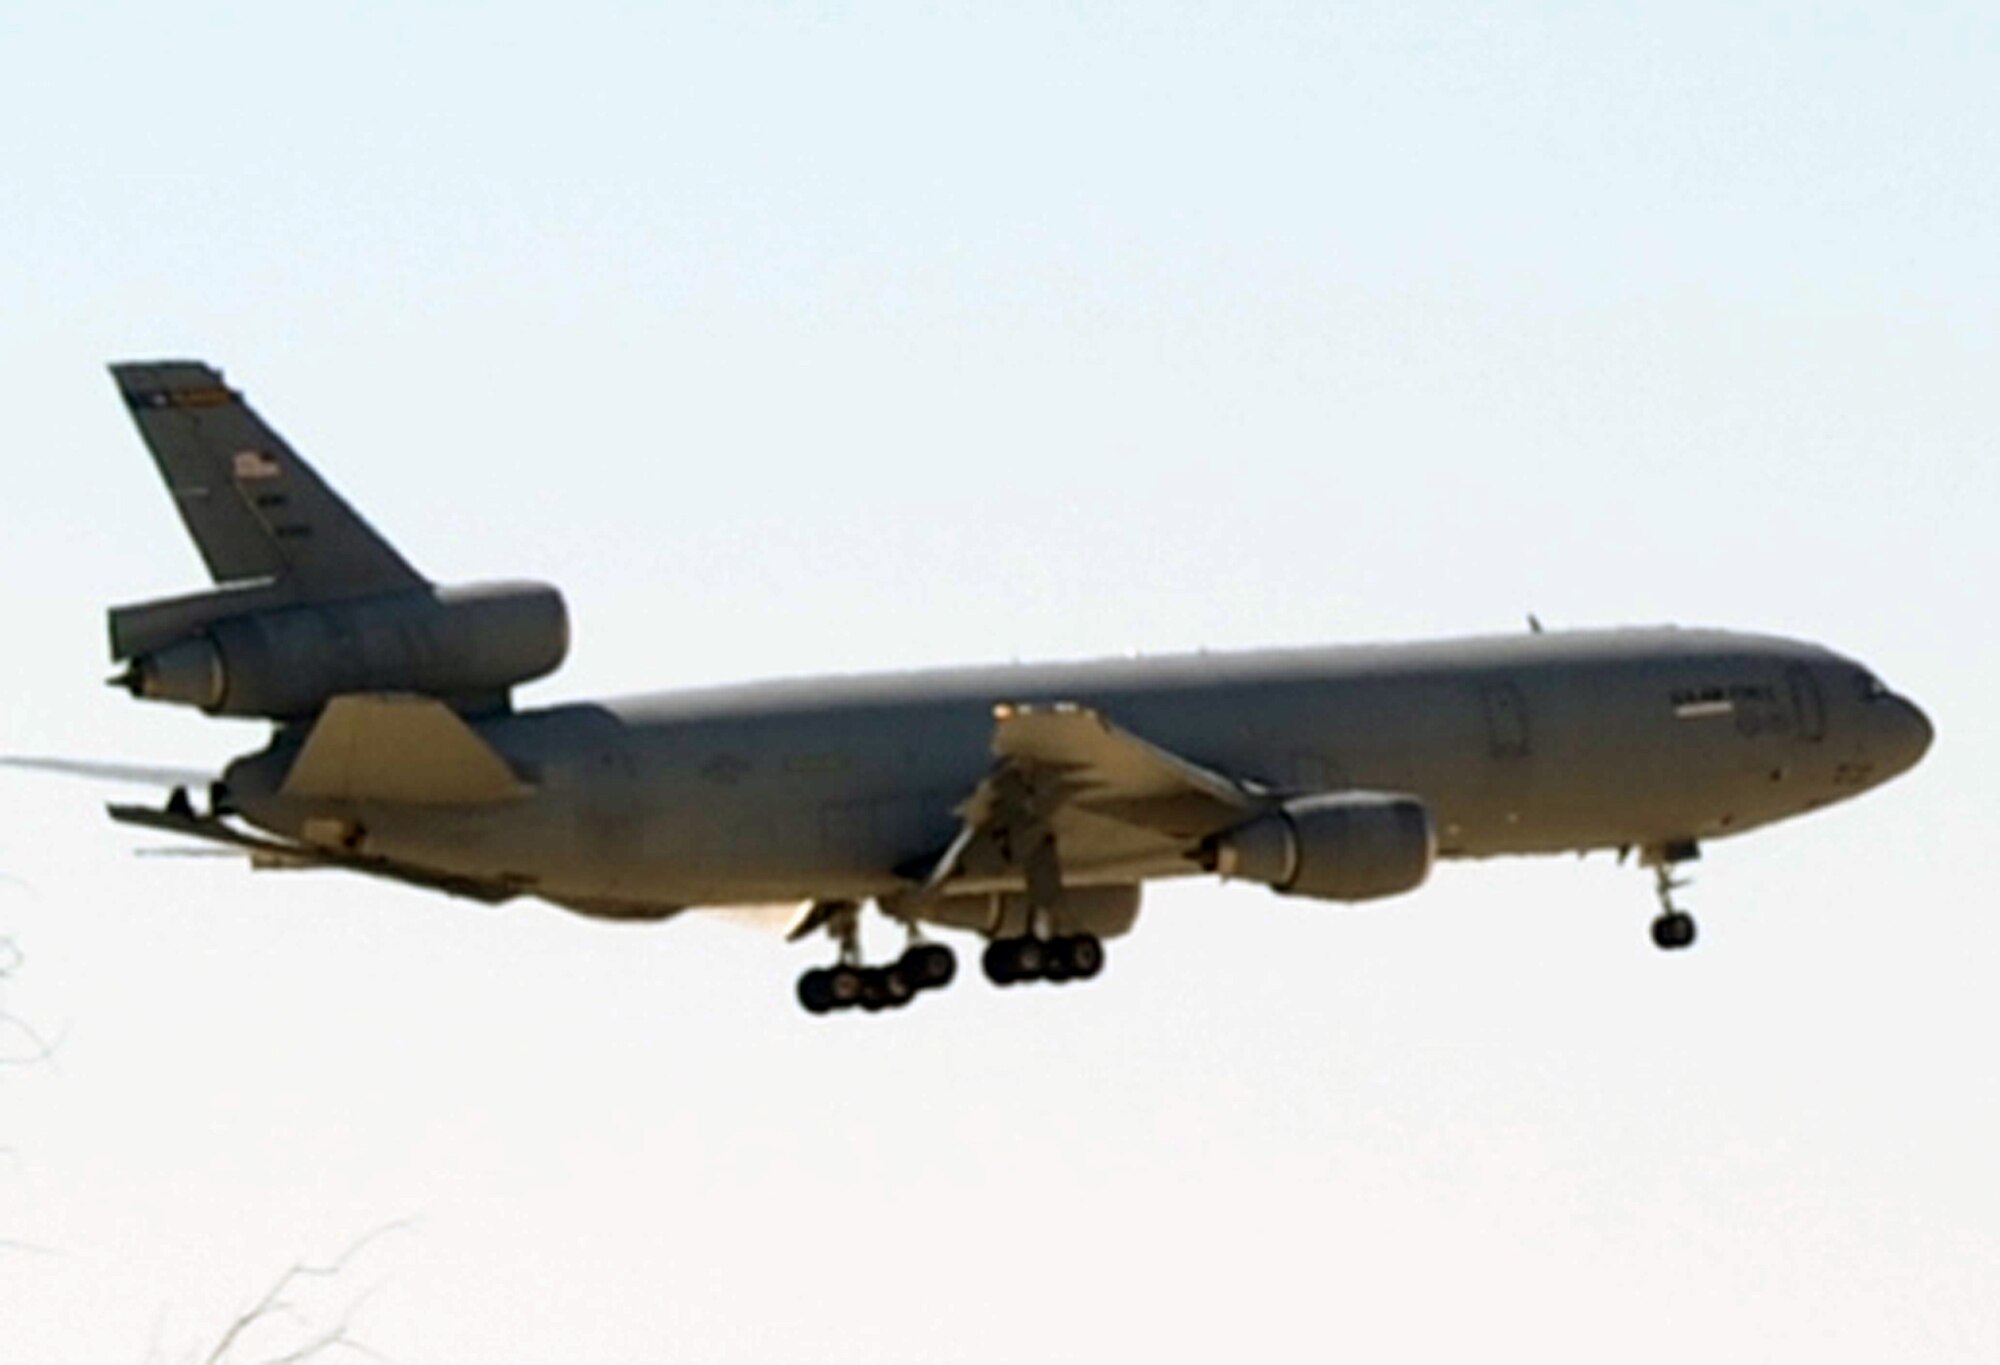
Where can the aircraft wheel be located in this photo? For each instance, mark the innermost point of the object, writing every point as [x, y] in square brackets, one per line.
[1008, 960]
[1673, 931]
[929, 966]
[816, 991]
[1059, 959]
[874, 989]
[844, 986]
[884, 988]
[1086, 956]
[998, 962]
[897, 988]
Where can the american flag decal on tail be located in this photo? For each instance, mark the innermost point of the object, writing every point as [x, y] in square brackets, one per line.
[254, 464]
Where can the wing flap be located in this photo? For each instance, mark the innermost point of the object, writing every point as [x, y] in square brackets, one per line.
[1109, 771]
[1067, 774]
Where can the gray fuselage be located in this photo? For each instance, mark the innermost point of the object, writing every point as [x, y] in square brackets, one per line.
[846, 787]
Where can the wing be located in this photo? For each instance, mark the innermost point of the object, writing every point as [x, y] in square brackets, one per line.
[1067, 780]
[255, 509]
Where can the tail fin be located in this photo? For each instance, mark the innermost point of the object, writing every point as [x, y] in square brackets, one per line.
[255, 509]
[309, 604]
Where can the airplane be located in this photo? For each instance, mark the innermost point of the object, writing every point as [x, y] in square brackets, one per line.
[1025, 804]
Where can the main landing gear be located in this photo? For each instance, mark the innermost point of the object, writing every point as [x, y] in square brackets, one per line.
[1036, 954]
[925, 966]
[1673, 927]
[1068, 957]
[846, 985]
[849, 984]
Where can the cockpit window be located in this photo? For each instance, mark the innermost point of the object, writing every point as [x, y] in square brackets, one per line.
[1869, 686]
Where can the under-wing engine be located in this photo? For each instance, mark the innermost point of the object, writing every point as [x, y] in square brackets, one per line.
[1342, 846]
[236, 652]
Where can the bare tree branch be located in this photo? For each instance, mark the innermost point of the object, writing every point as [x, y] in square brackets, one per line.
[277, 1304]
[20, 1044]
[28, 1046]
[13, 1029]
[32, 1248]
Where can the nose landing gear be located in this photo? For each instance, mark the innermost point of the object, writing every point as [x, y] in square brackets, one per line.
[1673, 928]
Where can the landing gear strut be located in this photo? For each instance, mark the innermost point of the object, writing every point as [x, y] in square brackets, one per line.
[851, 984]
[1036, 954]
[1673, 927]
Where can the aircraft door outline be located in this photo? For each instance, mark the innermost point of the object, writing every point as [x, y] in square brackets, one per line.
[1507, 734]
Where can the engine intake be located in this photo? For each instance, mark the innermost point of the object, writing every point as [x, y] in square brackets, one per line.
[1341, 846]
[460, 644]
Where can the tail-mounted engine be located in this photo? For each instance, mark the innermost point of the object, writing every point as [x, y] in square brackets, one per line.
[1342, 846]
[251, 651]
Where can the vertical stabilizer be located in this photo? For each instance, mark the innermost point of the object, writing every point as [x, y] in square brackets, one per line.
[255, 509]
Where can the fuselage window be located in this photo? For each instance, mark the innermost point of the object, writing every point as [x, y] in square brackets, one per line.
[1699, 703]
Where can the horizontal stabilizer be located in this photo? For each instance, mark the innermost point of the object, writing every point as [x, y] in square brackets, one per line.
[399, 750]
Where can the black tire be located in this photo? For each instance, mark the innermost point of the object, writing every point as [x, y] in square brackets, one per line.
[844, 985]
[1674, 931]
[1031, 959]
[998, 962]
[816, 991]
[930, 966]
[1058, 961]
[897, 991]
[1086, 956]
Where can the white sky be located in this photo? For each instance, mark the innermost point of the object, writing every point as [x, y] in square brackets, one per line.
[796, 338]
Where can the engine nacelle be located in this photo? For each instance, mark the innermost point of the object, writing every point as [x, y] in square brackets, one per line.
[1341, 846]
[282, 661]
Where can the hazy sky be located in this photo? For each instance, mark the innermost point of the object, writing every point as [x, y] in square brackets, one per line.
[794, 338]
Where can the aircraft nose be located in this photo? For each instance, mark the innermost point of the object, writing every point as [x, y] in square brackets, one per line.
[1910, 733]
